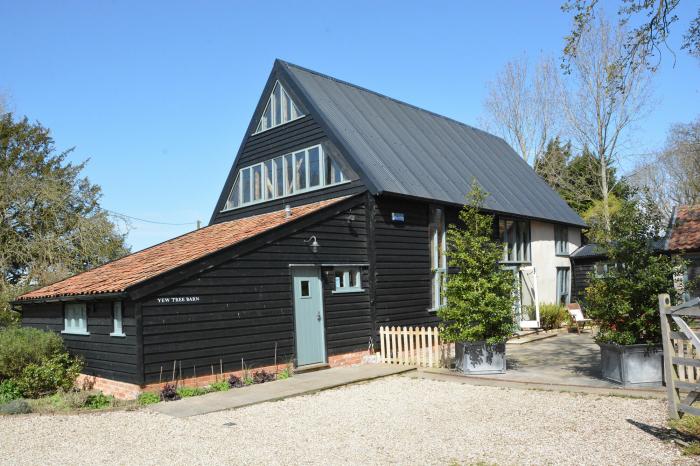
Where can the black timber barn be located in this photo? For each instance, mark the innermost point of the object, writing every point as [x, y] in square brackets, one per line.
[330, 224]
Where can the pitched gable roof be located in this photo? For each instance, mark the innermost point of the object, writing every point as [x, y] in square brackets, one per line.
[117, 276]
[685, 229]
[402, 149]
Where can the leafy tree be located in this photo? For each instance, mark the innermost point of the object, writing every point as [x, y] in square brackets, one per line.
[52, 224]
[624, 300]
[480, 295]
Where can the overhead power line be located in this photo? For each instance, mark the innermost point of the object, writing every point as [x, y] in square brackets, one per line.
[119, 214]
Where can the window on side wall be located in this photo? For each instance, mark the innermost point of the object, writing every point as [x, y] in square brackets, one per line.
[561, 240]
[347, 279]
[563, 285]
[438, 260]
[75, 319]
[117, 320]
[600, 269]
[515, 237]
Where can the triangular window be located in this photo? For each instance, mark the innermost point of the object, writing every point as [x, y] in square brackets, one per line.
[280, 109]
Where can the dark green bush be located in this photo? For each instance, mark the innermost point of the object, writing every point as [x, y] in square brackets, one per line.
[50, 374]
[16, 407]
[22, 346]
[9, 391]
[552, 316]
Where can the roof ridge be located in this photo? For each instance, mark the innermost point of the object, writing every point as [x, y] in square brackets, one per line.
[384, 96]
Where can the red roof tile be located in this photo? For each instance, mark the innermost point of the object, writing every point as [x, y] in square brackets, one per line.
[685, 232]
[117, 276]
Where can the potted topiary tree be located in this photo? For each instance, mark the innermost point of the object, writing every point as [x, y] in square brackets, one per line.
[624, 301]
[478, 315]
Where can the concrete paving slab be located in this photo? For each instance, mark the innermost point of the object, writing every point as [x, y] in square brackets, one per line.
[300, 384]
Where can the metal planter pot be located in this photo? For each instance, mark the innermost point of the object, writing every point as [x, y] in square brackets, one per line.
[478, 358]
[632, 365]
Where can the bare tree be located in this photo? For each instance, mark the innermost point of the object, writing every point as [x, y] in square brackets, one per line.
[672, 176]
[521, 106]
[600, 108]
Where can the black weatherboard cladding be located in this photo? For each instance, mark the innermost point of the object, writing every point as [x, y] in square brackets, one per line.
[105, 356]
[401, 149]
[245, 305]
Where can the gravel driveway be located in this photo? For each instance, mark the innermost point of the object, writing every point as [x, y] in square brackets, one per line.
[396, 420]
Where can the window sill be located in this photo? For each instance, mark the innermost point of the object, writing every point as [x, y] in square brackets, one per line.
[74, 332]
[351, 290]
[433, 310]
[562, 254]
[120, 335]
[301, 191]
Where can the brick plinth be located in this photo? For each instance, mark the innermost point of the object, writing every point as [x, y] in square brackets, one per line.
[128, 391]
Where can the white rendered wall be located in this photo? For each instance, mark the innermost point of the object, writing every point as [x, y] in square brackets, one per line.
[545, 260]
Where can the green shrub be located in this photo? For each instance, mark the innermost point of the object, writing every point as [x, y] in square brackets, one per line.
[98, 401]
[186, 392]
[16, 407]
[20, 347]
[284, 374]
[148, 398]
[8, 318]
[49, 375]
[9, 391]
[552, 316]
[220, 386]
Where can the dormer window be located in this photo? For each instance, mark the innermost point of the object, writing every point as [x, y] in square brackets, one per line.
[280, 109]
[294, 173]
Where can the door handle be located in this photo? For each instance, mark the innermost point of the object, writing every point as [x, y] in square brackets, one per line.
[318, 316]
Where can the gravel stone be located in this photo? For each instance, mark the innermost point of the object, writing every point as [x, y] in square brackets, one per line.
[397, 420]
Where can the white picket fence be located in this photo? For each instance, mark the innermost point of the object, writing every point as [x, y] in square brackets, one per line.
[413, 346]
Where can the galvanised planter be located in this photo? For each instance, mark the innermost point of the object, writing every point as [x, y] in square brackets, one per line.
[479, 358]
[632, 365]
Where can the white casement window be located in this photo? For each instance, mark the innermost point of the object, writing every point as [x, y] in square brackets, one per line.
[280, 109]
[561, 240]
[75, 319]
[515, 236]
[600, 269]
[438, 259]
[117, 320]
[347, 279]
[563, 285]
[301, 171]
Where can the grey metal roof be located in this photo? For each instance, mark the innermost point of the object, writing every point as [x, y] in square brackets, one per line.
[405, 150]
[588, 251]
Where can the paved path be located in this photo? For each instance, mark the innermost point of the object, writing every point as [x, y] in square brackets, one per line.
[301, 384]
[566, 362]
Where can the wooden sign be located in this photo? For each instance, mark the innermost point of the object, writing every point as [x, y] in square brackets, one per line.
[178, 300]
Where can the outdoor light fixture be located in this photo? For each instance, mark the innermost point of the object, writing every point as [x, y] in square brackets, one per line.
[314, 244]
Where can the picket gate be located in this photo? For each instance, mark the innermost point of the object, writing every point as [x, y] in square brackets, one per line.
[413, 346]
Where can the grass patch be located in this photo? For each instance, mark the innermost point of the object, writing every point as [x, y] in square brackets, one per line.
[186, 392]
[148, 398]
[689, 425]
[77, 401]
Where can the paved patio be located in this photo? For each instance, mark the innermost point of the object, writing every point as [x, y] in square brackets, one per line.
[300, 384]
[567, 362]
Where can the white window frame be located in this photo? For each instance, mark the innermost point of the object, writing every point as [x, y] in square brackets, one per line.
[525, 248]
[438, 257]
[344, 286]
[72, 323]
[264, 198]
[295, 110]
[561, 240]
[117, 320]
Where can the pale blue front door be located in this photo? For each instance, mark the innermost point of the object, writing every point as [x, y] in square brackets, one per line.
[308, 316]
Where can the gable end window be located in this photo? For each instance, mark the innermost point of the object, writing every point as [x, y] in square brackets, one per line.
[117, 320]
[298, 172]
[280, 109]
[561, 240]
[347, 280]
[515, 236]
[75, 319]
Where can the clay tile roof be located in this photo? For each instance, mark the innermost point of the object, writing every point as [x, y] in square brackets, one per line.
[685, 232]
[117, 276]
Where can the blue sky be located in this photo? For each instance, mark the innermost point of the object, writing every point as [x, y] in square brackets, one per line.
[158, 94]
